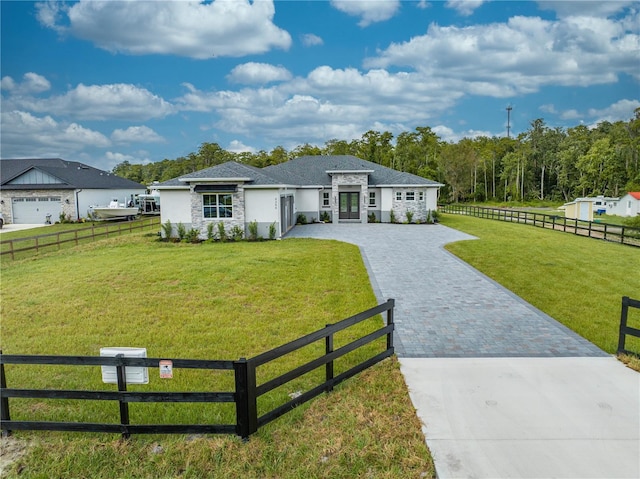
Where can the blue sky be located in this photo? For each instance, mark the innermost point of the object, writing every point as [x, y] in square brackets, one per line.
[104, 82]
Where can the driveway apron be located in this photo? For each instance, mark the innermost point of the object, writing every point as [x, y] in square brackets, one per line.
[502, 389]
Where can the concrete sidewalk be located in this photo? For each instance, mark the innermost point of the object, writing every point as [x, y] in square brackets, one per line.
[528, 417]
[502, 389]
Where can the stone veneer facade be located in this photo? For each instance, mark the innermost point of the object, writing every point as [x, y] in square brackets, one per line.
[417, 207]
[199, 222]
[349, 179]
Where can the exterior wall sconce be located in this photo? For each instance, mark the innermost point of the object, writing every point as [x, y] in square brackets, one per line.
[66, 201]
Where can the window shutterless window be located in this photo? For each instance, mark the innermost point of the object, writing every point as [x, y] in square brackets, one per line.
[217, 205]
[372, 198]
[398, 195]
[421, 195]
[325, 199]
[410, 195]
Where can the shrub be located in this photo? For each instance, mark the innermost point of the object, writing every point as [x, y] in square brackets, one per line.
[410, 216]
[324, 217]
[371, 217]
[302, 219]
[253, 231]
[634, 221]
[167, 228]
[193, 236]
[236, 233]
[392, 217]
[272, 231]
[210, 233]
[182, 231]
[222, 234]
[434, 216]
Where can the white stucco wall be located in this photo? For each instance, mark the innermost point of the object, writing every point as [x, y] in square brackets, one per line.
[176, 206]
[307, 202]
[432, 199]
[261, 205]
[626, 206]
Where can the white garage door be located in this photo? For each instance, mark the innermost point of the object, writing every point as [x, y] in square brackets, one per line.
[34, 211]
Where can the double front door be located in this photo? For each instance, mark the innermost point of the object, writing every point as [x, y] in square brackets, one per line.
[349, 205]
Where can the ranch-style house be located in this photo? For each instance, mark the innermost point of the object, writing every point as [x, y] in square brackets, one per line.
[340, 188]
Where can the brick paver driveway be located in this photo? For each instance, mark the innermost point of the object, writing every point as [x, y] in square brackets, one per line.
[444, 307]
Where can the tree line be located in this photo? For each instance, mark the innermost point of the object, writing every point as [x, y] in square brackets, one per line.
[541, 163]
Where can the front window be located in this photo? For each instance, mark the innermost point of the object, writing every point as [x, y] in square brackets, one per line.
[325, 199]
[421, 195]
[217, 205]
[411, 195]
[372, 198]
[398, 195]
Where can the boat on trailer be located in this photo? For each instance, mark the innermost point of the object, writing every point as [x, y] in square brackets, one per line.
[115, 211]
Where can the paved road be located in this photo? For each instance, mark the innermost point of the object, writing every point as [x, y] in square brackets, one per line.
[503, 390]
[444, 307]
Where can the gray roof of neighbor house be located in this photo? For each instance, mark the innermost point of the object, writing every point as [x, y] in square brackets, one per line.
[71, 175]
[302, 171]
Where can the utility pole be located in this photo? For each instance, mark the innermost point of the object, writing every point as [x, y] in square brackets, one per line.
[509, 120]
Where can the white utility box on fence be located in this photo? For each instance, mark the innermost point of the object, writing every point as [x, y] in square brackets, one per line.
[135, 374]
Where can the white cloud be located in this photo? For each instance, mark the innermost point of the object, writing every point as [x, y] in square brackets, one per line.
[113, 159]
[586, 7]
[464, 7]
[31, 83]
[520, 56]
[310, 40]
[236, 146]
[369, 11]
[136, 134]
[258, 73]
[26, 135]
[192, 29]
[622, 109]
[97, 102]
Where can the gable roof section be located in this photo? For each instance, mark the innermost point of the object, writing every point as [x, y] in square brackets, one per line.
[302, 171]
[312, 170]
[226, 172]
[58, 174]
[635, 194]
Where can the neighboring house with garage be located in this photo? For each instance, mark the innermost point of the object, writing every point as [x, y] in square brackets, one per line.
[32, 189]
[342, 188]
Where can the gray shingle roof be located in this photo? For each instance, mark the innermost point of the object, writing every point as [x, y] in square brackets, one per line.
[304, 171]
[72, 175]
[313, 171]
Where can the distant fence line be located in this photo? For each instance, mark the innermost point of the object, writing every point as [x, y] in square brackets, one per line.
[12, 247]
[245, 396]
[626, 235]
[624, 328]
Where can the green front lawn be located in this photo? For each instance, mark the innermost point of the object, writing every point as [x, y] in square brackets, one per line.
[213, 301]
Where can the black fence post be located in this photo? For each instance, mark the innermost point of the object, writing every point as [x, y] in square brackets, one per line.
[246, 398]
[122, 387]
[4, 402]
[392, 303]
[623, 324]
[328, 343]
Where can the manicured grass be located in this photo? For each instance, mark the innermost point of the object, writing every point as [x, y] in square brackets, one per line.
[32, 242]
[213, 301]
[578, 281]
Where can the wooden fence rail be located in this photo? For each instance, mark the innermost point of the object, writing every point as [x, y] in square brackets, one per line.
[624, 328]
[245, 395]
[626, 235]
[11, 247]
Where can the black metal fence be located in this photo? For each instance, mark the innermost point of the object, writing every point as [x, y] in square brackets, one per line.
[624, 328]
[23, 247]
[245, 395]
[593, 229]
